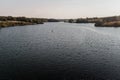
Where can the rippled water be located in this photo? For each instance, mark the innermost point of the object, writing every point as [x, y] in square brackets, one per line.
[59, 51]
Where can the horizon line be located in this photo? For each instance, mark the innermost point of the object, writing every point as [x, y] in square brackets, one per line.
[57, 18]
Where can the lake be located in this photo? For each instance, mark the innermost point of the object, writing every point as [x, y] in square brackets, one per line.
[60, 51]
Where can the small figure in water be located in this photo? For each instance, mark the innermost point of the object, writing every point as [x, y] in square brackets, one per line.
[52, 31]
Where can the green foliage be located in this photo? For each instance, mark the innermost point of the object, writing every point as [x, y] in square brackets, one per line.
[53, 20]
[70, 20]
[14, 23]
[24, 19]
[81, 21]
[19, 21]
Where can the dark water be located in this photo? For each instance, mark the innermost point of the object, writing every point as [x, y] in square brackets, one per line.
[59, 51]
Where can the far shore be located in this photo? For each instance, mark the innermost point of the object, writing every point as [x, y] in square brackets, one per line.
[9, 21]
[108, 24]
[113, 21]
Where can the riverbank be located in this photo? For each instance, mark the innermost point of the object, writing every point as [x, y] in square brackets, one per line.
[108, 24]
[113, 21]
[8, 21]
[15, 23]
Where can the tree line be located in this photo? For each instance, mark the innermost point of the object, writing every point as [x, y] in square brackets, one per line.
[24, 19]
[113, 21]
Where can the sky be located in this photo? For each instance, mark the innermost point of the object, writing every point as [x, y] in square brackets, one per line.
[60, 8]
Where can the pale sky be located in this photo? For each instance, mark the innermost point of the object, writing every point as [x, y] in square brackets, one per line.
[60, 8]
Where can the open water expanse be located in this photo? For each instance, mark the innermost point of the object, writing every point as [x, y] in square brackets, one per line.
[60, 51]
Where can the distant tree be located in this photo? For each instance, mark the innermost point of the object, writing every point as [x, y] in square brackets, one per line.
[53, 20]
[81, 21]
[70, 20]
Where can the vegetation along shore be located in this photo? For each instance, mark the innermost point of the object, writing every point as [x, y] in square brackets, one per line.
[7, 21]
[113, 21]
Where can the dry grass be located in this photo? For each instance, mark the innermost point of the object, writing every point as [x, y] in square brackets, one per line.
[13, 23]
[109, 24]
[113, 23]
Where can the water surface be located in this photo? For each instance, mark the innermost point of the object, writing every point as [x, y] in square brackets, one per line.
[60, 51]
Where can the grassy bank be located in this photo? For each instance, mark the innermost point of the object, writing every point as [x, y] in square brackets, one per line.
[108, 24]
[14, 23]
[113, 21]
[7, 21]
